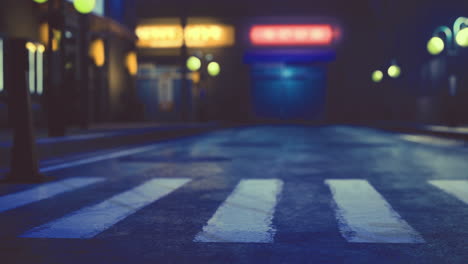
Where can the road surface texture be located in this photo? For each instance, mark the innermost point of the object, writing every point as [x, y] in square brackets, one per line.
[263, 194]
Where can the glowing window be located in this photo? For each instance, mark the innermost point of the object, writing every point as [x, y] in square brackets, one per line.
[291, 35]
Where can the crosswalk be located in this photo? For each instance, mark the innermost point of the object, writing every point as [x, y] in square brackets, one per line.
[246, 216]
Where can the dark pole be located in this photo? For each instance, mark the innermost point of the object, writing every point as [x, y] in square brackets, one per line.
[185, 109]
[55, 104]
[83, 72]
[49, 84]
[23, 163]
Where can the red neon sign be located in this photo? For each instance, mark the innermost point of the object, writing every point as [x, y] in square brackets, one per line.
[291, 35]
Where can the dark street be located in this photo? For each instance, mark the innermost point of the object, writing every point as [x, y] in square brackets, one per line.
[266, 194]
[244, 132]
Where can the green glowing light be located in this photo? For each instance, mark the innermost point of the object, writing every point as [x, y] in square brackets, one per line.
[435, 45]
[84, 6]
[462, 38]
[377, 76]
[214, 69]
[40, 1]
[193, 63]
[394, 71]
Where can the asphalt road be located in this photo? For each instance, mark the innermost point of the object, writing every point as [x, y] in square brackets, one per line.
[266, 194]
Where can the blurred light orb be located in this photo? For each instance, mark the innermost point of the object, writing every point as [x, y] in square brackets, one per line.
[394, 71]
[462, 38]
[31, 47]
[435, 45]
[40, 48]
[214, 69]
[84, 6]
[40, 1]
[377, 76]
[193, 63]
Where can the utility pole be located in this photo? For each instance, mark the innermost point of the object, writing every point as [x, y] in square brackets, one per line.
[185, 95]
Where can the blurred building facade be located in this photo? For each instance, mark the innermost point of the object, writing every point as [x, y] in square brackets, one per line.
[332, 83]
[375, 35]
[108, 37]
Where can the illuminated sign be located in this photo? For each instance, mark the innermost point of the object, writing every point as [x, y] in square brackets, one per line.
[291, 35]
[172, 36]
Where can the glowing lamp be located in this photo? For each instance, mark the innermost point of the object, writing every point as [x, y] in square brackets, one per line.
[193, 63]
[394, 71]
[435, 45]
[31, 47]
[84, 6]
[377, 76]
[131, 62]
[214, 69]
[97, 52]
[291, 35]
[41, 48]
[40, 1]
[462, 38]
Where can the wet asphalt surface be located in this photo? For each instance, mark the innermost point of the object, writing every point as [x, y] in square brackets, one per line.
[307, 230]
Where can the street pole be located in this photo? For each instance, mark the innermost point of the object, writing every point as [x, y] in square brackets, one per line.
[83, 72]
[55, 80]
[23, 164]
[185, 109]
[435, 46]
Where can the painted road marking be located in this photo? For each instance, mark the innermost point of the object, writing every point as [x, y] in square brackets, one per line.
[112, 155]
[246, 215]
[92, 220]
[365, 217]
[457, 188]
[44, 191]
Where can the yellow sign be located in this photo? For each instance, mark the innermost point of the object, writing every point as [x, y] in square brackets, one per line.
[196, 36]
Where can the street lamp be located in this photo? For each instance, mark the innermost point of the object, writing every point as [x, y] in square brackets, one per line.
[454, 39]
[84, 6]
[377, 76]
[394, 71]
[213, 69]
[193, 63]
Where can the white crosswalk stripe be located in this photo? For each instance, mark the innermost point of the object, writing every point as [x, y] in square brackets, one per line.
[43, 191]
[457, 188]
[365, 216]
[92, 220]
[246, 215]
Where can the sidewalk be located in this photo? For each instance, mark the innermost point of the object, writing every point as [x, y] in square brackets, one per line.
[102, 136]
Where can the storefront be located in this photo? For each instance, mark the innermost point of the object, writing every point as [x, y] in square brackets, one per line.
[273, 68]
[162, 61]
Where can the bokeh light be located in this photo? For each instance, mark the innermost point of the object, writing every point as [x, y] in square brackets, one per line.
[435, 45]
